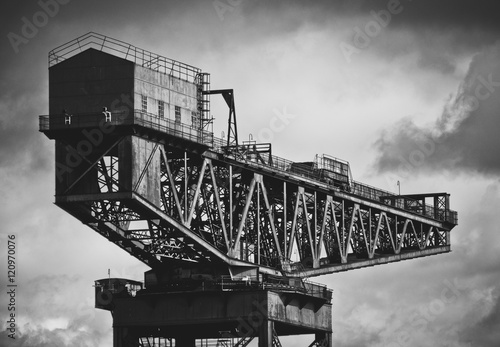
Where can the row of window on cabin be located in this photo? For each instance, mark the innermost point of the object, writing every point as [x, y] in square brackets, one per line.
[161, 111]
[161, 108]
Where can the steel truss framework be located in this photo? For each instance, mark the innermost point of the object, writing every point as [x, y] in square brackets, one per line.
[152, 341]
[217, 209]
[220, 342]
[132, 338]
[225, 341]
[199, 210]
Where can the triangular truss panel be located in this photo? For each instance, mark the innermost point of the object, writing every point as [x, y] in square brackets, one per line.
[189, 207]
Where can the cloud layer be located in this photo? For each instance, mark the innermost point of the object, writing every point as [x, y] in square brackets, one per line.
[465, 136]
[427, 83]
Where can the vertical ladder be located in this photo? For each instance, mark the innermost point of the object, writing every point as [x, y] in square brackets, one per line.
[206, 120]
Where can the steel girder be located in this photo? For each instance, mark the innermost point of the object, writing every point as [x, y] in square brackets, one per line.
[213, 209]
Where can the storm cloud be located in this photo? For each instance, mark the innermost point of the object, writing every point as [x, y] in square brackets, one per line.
[465, 136]
[421, 100]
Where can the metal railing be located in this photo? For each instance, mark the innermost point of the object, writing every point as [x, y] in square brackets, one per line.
[219, 145]
[355, 188]
[318, 290]
[147, 120]
[403, 202]
[44, 123]
[126, 51]
[173, 128]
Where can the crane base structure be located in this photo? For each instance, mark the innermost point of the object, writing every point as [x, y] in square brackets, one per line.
[232, 313]
[232, 233]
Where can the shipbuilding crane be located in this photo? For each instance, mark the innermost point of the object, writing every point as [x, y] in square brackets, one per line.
[231, 232]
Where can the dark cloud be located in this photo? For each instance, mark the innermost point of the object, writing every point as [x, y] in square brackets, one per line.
[414, 13]
[419, 13]
[436, 61]
[22, 148]
[484, 332]
[464, 138]
[55, 315]
[35, 337]
[23, 97]
[193, 31]
[450, 13]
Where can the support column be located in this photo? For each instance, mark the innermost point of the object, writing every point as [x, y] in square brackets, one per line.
[118, 337]
[266, 330]
[324, 339]
[185, 341]
[122, 337]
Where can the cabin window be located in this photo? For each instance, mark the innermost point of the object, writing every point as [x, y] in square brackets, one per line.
[177, 114]
[161, 109]
[144, 103]
[195, 120]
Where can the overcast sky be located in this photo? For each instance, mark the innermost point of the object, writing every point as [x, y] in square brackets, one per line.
[404, 91]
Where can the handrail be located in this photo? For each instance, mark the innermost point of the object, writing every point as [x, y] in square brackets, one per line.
[355, 188]
[275, 163]
[119, 118]
[123, 50]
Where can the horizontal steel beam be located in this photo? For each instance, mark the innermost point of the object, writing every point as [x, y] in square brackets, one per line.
[328, 269]
[326, 189]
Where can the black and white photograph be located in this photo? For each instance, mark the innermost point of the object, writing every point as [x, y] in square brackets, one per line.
[230, 173]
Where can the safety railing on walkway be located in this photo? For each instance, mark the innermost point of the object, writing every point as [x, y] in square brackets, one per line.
[355, 188]
[219, 145]
[118, 118]
[126, 51]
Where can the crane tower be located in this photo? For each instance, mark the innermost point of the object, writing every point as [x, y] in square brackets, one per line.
[231, 232]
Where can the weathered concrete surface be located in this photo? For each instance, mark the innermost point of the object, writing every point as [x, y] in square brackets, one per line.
[157, 86]
[146, 169]
[209, 312]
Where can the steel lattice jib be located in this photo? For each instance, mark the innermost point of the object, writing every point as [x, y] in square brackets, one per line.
[136, 162]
